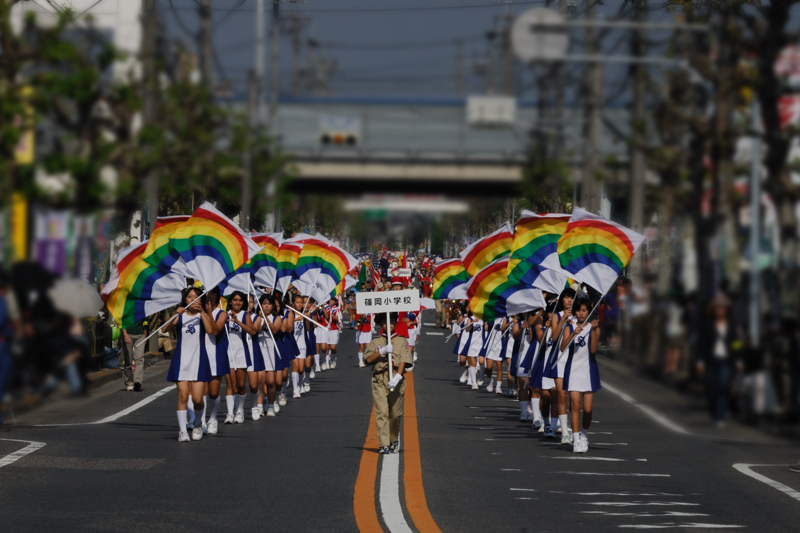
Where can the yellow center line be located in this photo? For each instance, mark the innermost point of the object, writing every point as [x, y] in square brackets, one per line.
[364, 494]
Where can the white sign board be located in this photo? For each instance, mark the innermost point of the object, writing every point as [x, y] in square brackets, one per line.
[539, 33]
[404, 272]
[387, 301]
[491, 110]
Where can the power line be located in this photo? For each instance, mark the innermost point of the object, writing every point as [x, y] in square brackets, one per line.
[390, 9]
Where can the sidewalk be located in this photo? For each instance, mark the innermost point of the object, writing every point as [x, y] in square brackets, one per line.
[27, 403]
[688, 409]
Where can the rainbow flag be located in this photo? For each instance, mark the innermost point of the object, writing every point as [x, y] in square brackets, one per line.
[264, 263]
[594, 250]
[288, 253]
[534, 256]
[479, 254]
[322, 265]
[447, 276]
[211, 245]
[158, 252]
[492, 295]
[137, 289]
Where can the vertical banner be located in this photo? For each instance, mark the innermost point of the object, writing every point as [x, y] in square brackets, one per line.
[84, 249]
[18, 221]
[5, 232]
[51, 229]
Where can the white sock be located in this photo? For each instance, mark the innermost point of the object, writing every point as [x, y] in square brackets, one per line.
[214, 408]
[295, 379]
[190, 410]
[242, 399]
[562, 419]
[497, 387]
[537, 413]
[316, 360]
[360, 357]
[328, 358]
[473, 375]
[229, 403]
[523, 408]
[182, 421]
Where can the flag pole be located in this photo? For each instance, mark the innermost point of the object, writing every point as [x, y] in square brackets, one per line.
[170, 320]
[255, 294]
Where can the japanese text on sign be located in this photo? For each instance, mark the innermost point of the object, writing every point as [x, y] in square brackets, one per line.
[390, 301]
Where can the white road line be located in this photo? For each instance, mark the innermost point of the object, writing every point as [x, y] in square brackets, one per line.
[665, 514]
[676, 525]
[432, 324]
[599, 433]
[510, 470]
[390, 495]
[519, 498]
[632, 474]
[649, 411]
[638, 504]
[746, 470]
[31, 447]
[124, 412]
[627, 494]
[583, 457]
[434, 333]
[609, 444]
[642, 460]
[523, 490]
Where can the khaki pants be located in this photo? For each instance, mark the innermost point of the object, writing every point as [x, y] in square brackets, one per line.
[388, 408]
[133, 354]
[440, 318]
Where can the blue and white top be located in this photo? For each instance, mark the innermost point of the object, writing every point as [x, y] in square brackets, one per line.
[238, 348]
[581, 373]
[190, 359]
[217, 349]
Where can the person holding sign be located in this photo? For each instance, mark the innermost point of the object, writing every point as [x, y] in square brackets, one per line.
[388, 392]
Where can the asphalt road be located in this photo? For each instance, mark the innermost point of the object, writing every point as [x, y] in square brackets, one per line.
[481, 469]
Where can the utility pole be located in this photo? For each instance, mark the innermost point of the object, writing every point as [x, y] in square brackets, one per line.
[149, 38]
[260, 58]
[247, 164]
[274, 217]
[637, 177]
[507, 79]
[296, 29]
[204, 43]
[459, 69]
[591, 189]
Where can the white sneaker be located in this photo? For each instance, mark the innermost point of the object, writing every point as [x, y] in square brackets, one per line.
[463, 378]
[129, 388]
[498, 389]
[480, 382]
[312, 374]
[183, 437]
[474, 386]
[277, 408]
[584, 443]
[415, 357]
[324, 366]
[577, 445]
[254, 414]
[306, 387]
[333, 364]
[537, 425]
[566, 438]
[270, 412]
[228, 418]
[197, 433]
[318, 369]
[261, 409]
[282, 399]
[213, 427]
[239, 418]
[361, 364]
[490, 386]
[296, 393]
[541, 428]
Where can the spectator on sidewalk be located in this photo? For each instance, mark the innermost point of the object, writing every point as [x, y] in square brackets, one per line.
[719, 345]
[133, 356]
[9, 319]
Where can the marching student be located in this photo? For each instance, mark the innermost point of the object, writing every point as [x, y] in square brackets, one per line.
[388, 394]
[498, 351]
[282, 362]
[256, 370]
[239, 351]
[190, 369]
[363, 335]
[312, 348]
[554, 367]
[581, 375]
[299, 333]
[540, 386]
[289, 351]
[217, 350]
[322, 338]
[334, 323]
[475, 346]
[268, 349]
[412, 319]
[463, 342]
[523, 331]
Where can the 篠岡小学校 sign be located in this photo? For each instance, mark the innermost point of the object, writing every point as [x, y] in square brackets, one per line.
[387, 302]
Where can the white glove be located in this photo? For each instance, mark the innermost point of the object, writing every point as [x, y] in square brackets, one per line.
[385, 350]
[395, 380]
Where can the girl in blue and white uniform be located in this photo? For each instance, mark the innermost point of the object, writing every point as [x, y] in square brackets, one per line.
[581, 375]
[299, 334]
[266, 347]
[499, 351]
[311, 342]
[238, 351]
[554, 368]
[474, 350]
[189, 368]
[463, 341]
[523, 332]
[217, 349]
[256, 370]
[539, 385]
